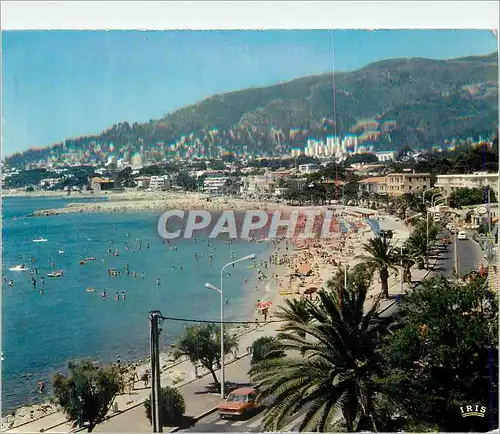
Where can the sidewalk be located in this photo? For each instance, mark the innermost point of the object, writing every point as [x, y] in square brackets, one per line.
[130, 408]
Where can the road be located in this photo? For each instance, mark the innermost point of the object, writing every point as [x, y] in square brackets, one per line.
[213, 423]
[470, 256]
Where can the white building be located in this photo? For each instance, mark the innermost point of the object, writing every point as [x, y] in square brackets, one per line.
[350, 144]
[308, 168]
[450, 183]
[333, 145]
[143, 181]
[384, 156]
[281, 191]
[296, 152]
[254, 185]
[49, 182]
[159, 183]
[137, 161]
[214, 184]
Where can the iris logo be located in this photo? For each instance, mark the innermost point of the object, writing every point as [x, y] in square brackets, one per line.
[473, 410]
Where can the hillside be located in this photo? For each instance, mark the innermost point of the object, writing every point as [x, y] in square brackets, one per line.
[391, 103]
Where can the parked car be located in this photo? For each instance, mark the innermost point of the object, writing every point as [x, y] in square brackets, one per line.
[239, 402]
[462, 235]
[480, 238]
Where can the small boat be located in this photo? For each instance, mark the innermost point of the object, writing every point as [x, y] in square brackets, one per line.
[20, 267]
[82, 262]
[90, 258]
[61, 252]
[90, 289]
[251, 266]
[40, 240]
[55, 274]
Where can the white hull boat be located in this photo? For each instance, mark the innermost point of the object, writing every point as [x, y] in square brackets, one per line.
[21, 267]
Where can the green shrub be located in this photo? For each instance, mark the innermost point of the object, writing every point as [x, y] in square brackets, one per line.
[172, 406]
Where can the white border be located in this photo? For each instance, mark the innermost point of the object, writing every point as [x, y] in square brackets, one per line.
[23, 15]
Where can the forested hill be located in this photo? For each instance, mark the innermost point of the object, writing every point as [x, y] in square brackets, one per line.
[391, 103]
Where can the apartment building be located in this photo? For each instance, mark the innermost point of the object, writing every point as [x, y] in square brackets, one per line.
[450, 183]
[308, 168]
[101, 184]
[50, 182]
[161, 183]
[401, 183]
[214, 184]
[373, 185]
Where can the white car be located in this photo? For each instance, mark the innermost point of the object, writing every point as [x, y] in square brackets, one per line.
[462, 235]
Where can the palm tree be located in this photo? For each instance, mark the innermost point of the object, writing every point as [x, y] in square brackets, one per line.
[292, 313]
[417, 249]
[406, 261]
[381, 256]
[333, 376]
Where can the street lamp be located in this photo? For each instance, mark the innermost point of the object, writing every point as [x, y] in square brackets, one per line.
[220, 291]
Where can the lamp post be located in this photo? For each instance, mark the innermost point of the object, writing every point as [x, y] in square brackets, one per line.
[220, 291]
[432, 207]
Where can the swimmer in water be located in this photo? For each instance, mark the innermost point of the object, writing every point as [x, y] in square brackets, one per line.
[142, 275]
[117, 296]
[158, 281]
[124, 296]
[180, 267]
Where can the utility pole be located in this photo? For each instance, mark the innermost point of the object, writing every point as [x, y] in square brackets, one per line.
[456, 254]
[154, 317]
[489, 213]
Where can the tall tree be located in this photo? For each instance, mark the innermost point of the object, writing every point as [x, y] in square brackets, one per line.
[336, 367]
[201, 344]
[87, 393]
[382, 257]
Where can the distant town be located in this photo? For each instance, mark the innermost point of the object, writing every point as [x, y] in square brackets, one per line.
[324, 170]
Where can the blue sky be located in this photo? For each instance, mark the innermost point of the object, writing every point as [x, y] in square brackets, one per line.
[59, 84]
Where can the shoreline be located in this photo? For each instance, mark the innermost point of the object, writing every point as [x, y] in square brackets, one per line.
[131, 200]
[141, 201]
[324, 259]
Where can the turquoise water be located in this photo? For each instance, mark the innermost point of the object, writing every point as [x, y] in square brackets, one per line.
[41, 333]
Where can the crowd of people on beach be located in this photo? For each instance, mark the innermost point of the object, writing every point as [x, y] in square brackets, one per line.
[284, 259]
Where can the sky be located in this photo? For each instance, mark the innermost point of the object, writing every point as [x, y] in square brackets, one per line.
[61, 84]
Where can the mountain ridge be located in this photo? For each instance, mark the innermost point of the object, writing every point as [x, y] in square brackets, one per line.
[399, 102]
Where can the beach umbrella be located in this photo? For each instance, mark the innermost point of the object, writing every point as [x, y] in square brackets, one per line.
[264, 305]
[305, 268]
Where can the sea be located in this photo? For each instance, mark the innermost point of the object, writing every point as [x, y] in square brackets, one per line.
[41, 333]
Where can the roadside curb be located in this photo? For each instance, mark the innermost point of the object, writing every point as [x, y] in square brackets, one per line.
[196, 418]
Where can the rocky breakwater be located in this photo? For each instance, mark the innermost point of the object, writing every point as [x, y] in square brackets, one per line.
[27, 414]
[44, 212]
[154, 203]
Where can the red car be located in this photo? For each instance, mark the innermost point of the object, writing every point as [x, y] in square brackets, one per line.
[239, 403]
